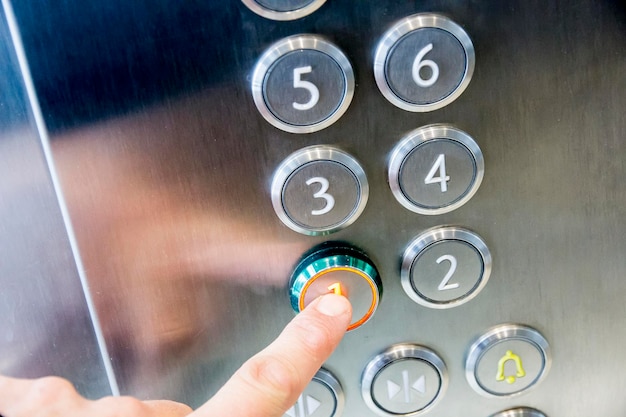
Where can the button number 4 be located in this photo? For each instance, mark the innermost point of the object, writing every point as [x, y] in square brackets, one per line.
[438, 166]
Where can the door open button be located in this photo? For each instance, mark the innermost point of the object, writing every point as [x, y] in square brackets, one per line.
[339, 269]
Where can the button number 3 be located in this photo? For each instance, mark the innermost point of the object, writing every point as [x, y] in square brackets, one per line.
[298, 82]
[330, 200]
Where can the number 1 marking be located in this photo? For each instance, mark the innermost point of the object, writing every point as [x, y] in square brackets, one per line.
[439, 165]
[444, 282]
[336, 288]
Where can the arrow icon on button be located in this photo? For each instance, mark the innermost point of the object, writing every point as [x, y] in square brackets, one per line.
[394, 389]
[298, 410]
[420, 385]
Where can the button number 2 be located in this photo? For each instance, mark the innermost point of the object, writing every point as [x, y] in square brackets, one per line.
[330, 200]
[443, 286]
[298, 82]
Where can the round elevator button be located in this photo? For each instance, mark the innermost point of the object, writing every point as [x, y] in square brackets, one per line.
[319, 190]
[435, 169]
[283, 9]
[404, 380]
[424, 62]
[302, 84]
[445, 267]
[333, 267]
[323, 397]
[520, 412]
[507, 360]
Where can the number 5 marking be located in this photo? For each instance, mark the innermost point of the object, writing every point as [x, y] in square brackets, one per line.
[330, 200]
[444, 282]
[307, 85]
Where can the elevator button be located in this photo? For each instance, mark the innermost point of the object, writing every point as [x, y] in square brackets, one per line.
[283, 9]
[520, 412]
[302, 84]
[435, 169]
[507, 360]
[445, 267]
[424, 62]
[319, 190]
[341, 269]
[405, 380]
[323, 397]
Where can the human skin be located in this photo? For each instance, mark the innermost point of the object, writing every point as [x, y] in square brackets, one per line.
[265, 386]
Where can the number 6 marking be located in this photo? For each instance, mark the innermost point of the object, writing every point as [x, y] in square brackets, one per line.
[444, 282]
[418, 64]
[330, 200]
[307, 85]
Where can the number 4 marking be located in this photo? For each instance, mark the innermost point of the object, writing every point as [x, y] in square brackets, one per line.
[438, 166]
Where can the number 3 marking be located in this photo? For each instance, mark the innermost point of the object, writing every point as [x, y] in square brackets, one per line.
[307, 85]
[444, 282]
[330, 200]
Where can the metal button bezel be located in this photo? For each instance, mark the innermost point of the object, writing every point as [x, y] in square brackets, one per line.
[291, 44]
[326, 378]
[405, 26]
[310, 154]
[440, 234]
[393, 354]
[520, 412]
[283, 16]
[502, 333]
[420, 136]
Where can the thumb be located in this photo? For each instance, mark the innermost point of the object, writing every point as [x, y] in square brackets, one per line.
[269, 383]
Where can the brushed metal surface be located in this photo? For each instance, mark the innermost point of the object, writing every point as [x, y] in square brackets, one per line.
[45, 325]
[167, 168]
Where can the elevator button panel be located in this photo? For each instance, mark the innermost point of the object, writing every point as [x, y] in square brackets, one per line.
[323, 397]
[435, 169]
[445, 267]
[404, 380]
[342, 269]
[424, 62]
[302, 84]
[507, 360]
[520, 412]
[283, 9]
[319, 190]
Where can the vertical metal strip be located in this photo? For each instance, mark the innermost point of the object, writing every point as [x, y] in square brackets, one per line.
[45, 143]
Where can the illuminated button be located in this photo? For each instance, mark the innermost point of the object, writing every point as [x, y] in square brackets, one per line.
[520, 412]
[435, 169]
[445, 267]
[283, 9]
[340, 269]
[323, 397]
[507, 360]
[319, 190]
[302, 84]
[405, 380]
[424, 62]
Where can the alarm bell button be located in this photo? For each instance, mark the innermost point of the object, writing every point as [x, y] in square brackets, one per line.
[339, 269]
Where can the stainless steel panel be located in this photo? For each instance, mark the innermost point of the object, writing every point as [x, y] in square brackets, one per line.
[167, 168]
[46, 326]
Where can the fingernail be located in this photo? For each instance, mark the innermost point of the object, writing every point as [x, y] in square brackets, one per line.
[332, 305]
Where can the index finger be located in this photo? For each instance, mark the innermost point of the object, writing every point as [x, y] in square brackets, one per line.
[269, 383]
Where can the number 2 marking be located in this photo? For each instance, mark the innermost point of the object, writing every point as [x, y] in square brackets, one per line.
[444, 282]
[330, 200]
[439, 165]
[298, 82]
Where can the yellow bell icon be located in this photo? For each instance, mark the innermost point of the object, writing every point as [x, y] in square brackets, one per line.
[510, 356]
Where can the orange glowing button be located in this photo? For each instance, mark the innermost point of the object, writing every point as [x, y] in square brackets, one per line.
[343, 270]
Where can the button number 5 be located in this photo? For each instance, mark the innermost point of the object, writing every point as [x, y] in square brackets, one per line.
[298, 82]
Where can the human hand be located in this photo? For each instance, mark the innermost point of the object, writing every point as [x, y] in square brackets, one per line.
[265, 386]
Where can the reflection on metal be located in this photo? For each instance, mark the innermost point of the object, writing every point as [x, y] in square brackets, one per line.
[37, 261]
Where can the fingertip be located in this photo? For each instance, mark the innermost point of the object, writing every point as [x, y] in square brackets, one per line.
[332, 305]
